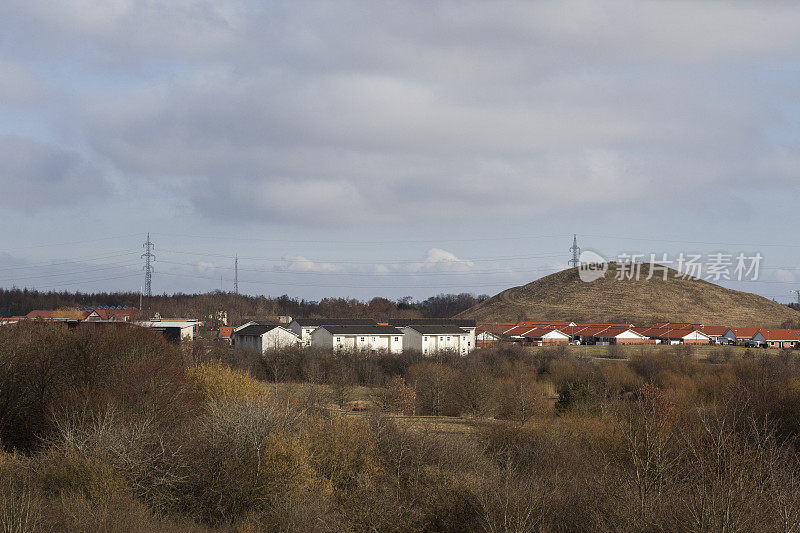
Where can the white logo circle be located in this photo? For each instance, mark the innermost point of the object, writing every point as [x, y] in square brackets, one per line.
[591, 266]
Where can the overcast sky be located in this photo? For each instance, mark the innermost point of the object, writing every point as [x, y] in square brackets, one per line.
[392, 148]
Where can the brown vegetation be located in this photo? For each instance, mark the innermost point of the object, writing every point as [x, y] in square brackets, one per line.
[563, 296]
[116, 430]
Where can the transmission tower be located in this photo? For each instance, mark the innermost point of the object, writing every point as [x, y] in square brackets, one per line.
[797, 292]
[236, 275]
[148, 268]
[575, 251]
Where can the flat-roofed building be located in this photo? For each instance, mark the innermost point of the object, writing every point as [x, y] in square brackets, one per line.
[355, 338]
[466, 324]
[430, 339]
[304, 327]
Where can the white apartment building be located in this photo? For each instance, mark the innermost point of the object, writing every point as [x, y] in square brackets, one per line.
[432, 339]
[358, 338]
[304, 327]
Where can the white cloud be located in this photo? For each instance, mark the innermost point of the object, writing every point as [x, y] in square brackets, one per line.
[786, 276]
[298, 263]
[205, 266]
[438, 260]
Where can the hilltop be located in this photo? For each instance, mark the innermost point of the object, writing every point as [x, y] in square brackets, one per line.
[563, 296]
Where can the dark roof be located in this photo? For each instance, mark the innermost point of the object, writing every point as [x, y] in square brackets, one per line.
[256, 329]
[368, 329]
[335, 321]
[435, 329]
[461, 323]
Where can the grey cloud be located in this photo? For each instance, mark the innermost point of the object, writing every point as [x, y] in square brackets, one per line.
[35, 176]
[320, 113]
[119, 32]
[18, 84]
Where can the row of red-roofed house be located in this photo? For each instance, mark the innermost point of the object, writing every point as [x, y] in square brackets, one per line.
[176, 329]
[82, 314]
[552, 333]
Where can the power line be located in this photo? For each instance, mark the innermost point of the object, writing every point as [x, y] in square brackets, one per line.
[575, 251]
[61, 274]
[382, 263]
[517, 236]
[370, 274]
[82, 282]
[236, 275]
[148, 268]
[71, 243]
[391, 241]
[68, 261]
[359, 286]
[681, 241]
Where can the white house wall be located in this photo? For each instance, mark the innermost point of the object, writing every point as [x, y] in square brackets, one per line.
[278, 338]
[431, 344]
[322, 338]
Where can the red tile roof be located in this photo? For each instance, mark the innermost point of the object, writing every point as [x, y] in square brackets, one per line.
[533, 333]
[746, 332]
[225, 332]
[108, 314]
[40, 313]
[493, 327]
[667, 333]
[780, 334]
[547, 323]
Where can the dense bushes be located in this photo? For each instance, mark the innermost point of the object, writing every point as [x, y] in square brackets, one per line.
[132, 439]
[48, 369]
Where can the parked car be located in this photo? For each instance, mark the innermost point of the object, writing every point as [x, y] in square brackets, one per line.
[756, 344]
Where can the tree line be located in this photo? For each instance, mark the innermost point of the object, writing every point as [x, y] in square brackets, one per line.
[241, 307]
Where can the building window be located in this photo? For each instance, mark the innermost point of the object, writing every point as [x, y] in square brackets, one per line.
[373, 339]
[396, 339]
[362, 339]
[338, 339]
[426, 339]
[469, 343]
[441, 338]
[448, 338]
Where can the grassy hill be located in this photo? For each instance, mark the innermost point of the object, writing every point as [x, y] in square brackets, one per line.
[563, 296]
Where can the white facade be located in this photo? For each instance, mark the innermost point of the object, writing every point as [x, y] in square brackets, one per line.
[471, 338]
[553, 337]
[428, 341]
[696, 336]
[366, 340]
[302, 332]
[274, 339]
[304, 327]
